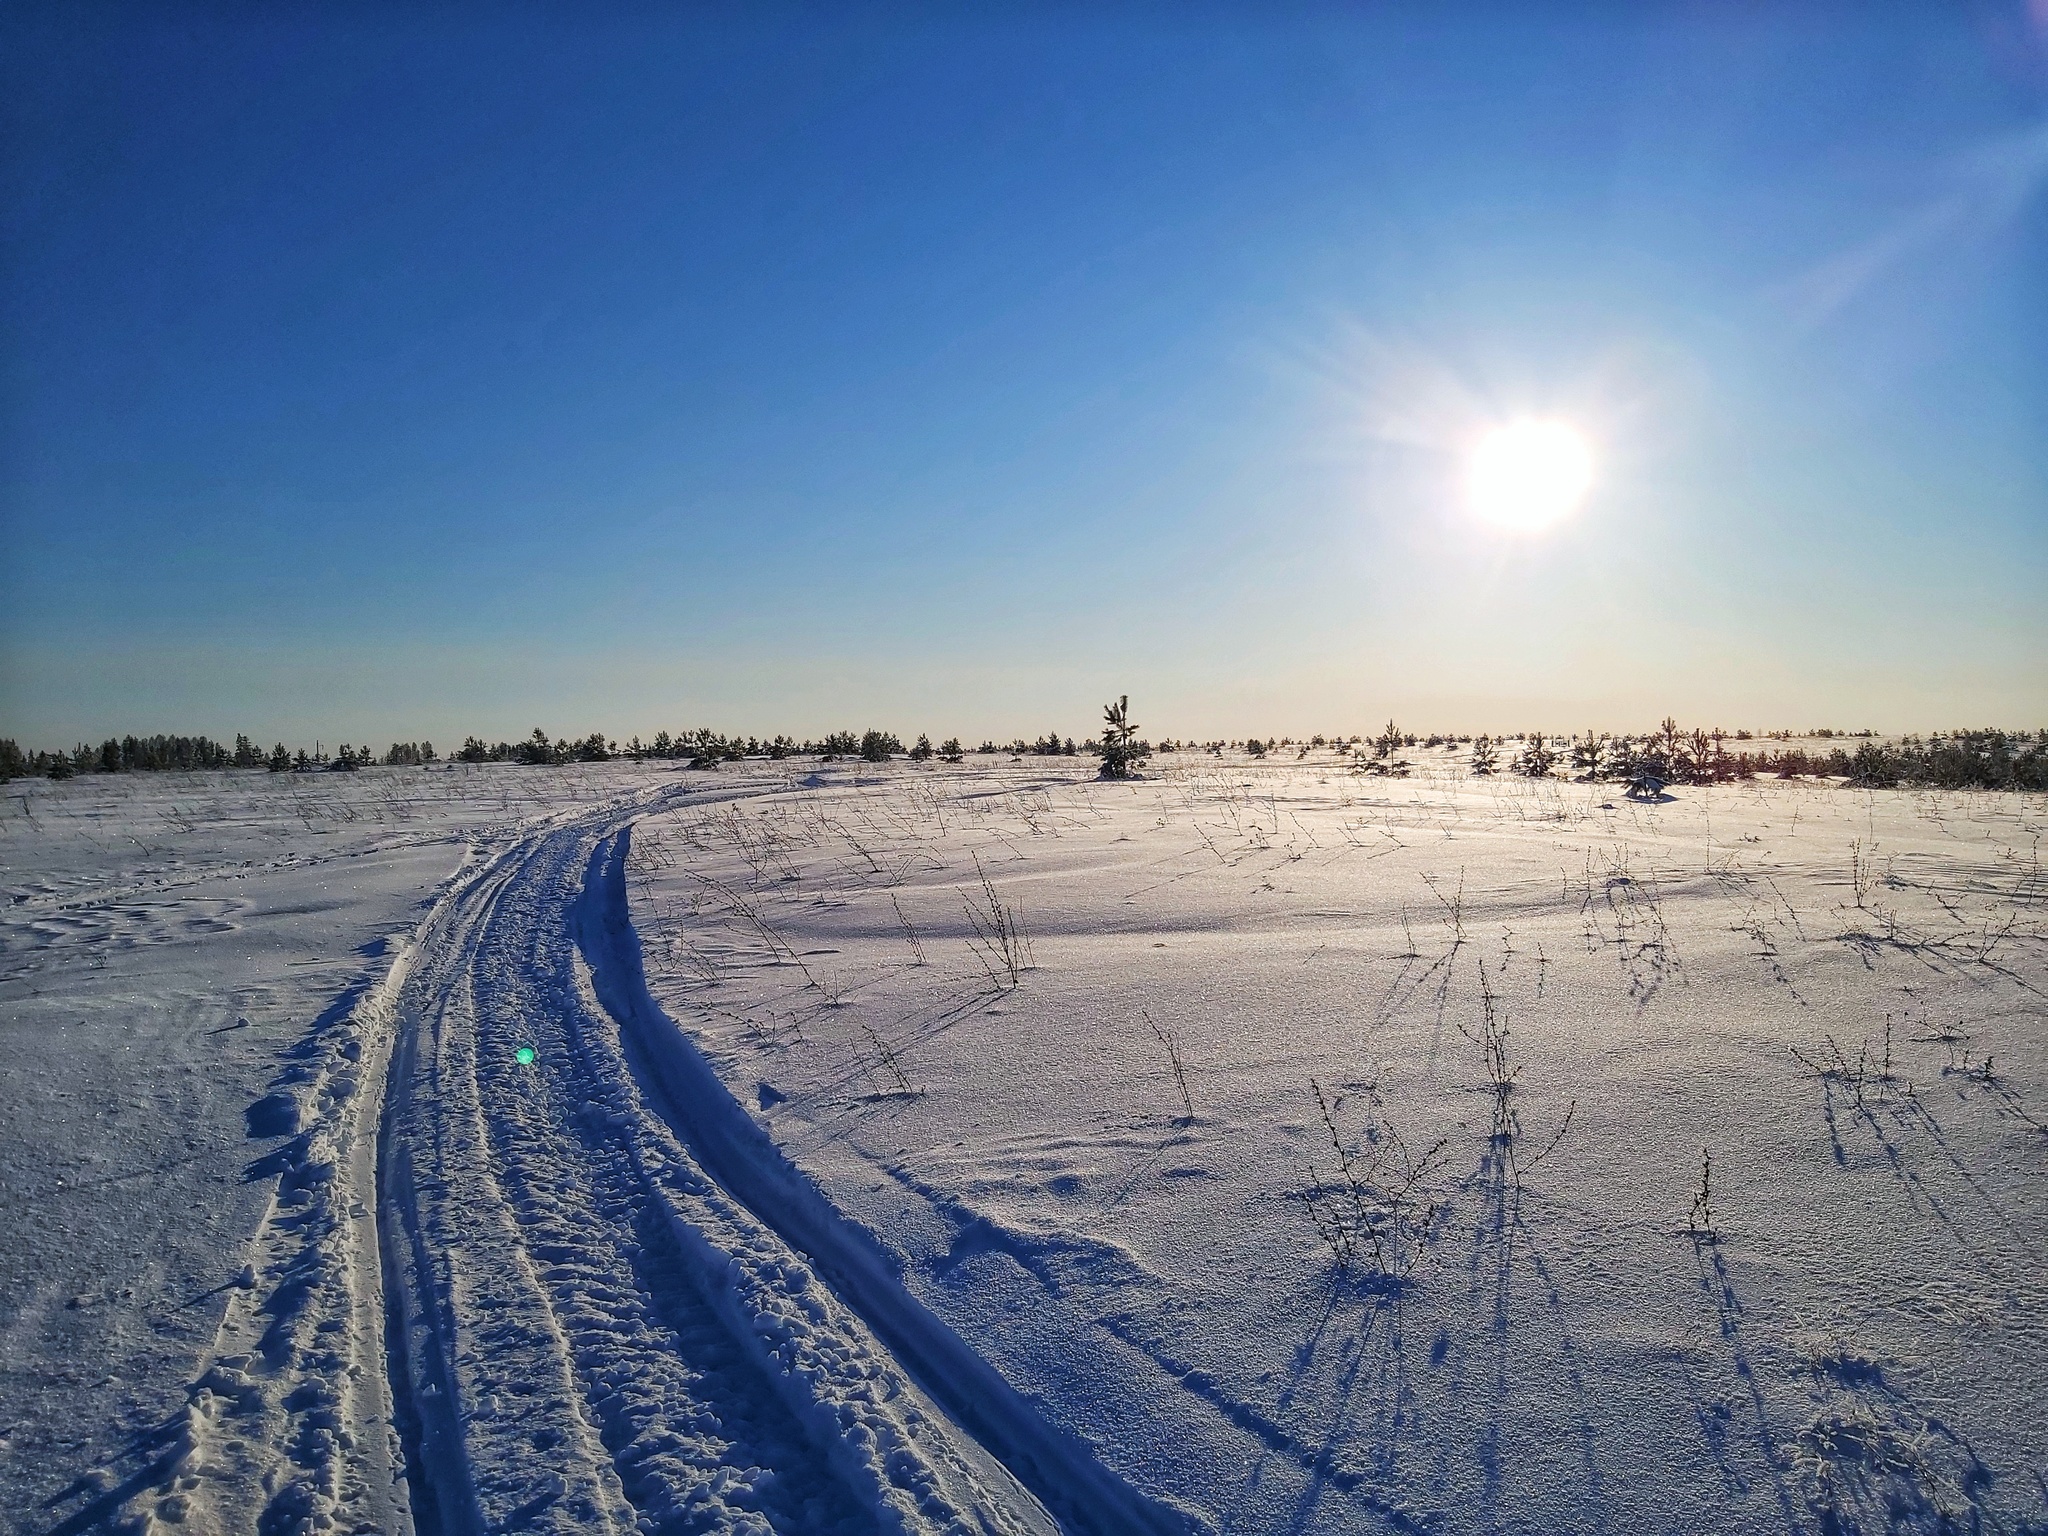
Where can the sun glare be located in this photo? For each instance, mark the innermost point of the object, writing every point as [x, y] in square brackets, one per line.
[1529, 475]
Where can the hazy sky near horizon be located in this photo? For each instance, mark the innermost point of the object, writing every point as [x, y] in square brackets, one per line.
[375, 371]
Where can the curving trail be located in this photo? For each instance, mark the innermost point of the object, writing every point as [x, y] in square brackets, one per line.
[504, 1296]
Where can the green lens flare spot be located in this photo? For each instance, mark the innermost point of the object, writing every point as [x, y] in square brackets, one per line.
[525, 1055]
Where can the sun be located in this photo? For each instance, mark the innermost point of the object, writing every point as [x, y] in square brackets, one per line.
[1529, 475]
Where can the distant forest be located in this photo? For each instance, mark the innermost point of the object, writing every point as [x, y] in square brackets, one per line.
[1984, 759]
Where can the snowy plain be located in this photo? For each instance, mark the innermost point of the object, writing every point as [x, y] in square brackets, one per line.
[939, 1147]
[176, 948]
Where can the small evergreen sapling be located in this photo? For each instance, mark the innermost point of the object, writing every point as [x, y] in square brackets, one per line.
[1122, 752]
[1537, 759]
[1588, 755]
[1665, 747]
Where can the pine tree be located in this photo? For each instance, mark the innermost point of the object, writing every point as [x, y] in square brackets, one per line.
[1588, 754]
[1122, 752]
[1662, 757]
[1536, 759]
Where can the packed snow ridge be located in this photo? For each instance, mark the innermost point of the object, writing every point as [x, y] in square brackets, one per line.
[1251, 1146]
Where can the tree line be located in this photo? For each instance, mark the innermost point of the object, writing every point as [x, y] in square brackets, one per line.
[1967, 759]
[702, 747]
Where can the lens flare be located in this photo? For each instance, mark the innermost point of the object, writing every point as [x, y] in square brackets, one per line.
[1529, 475]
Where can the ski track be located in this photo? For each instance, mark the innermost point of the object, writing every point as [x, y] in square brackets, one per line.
[491, 1296]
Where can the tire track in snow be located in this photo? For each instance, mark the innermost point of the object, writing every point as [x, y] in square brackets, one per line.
[290, 1423]
[591, 1333]
[491, 1296]
[695, 1103]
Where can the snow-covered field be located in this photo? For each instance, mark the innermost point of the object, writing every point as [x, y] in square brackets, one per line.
[1259, 1146]
[180, 953]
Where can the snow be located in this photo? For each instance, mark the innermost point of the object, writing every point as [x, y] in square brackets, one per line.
[178, 949]
[1564, 1354]
[852, 1186]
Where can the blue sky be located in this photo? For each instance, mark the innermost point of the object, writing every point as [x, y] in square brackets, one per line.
[374, 371]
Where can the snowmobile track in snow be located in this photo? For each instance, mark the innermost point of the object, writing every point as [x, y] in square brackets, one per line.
[594, 1296]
